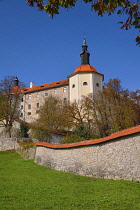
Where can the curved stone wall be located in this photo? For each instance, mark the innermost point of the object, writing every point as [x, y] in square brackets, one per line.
[113, 157]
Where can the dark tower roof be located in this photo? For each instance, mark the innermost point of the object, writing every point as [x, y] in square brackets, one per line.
[16, 81]
[85, 53]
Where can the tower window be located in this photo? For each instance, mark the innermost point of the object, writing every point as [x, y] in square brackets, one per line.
[85, 83]
[97, 84]
[73, 86]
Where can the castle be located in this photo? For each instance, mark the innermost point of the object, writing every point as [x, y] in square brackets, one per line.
[84, 80]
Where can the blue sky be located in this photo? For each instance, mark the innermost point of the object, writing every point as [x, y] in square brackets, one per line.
[36, 48]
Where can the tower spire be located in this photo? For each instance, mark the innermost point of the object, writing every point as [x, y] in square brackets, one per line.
[85, 53]
[16, 81]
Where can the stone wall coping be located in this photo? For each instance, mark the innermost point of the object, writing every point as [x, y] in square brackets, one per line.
[115, 135]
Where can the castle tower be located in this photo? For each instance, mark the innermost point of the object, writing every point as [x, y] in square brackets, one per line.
[85, 78]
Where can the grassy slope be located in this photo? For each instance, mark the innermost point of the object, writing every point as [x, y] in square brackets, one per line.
[25, 185]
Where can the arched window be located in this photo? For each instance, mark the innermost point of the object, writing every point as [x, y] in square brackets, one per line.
[85, 83]
[73, 86]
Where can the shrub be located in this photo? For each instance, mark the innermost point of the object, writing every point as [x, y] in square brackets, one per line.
[71, 138]
[82, 131]
[24, 130]
[28, 145]
[40, 134]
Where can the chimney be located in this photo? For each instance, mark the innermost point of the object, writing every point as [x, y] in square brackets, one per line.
[31, 84]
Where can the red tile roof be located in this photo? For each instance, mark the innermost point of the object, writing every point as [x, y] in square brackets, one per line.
[46, 86]
[16, 90]
[113, 136]
[85, 67]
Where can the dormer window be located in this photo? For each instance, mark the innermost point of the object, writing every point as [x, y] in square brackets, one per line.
[73, 86]
[85, 83]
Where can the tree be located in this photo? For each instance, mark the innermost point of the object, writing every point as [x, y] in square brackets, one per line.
[53, 115]
[113, 109]
[130, 8]
[10, 99]
[135, 97]
[80, 113]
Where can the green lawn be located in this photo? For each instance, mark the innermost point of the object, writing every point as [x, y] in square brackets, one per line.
[25, 185]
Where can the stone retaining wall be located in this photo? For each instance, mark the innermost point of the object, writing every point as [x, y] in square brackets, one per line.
[7, 144]
[26, 153]
[11, 143]
[114, 159]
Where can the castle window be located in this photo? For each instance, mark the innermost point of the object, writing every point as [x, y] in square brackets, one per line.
[64, 89]
[37, 95]
[65, 100]
[97, 84]
[85, 83]
[73, 86]
[21, 114]
[37, 105]
[55, 92]
[37, 111]
[29, 113]
[29, 96]
[29, 106]
[46, 93]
